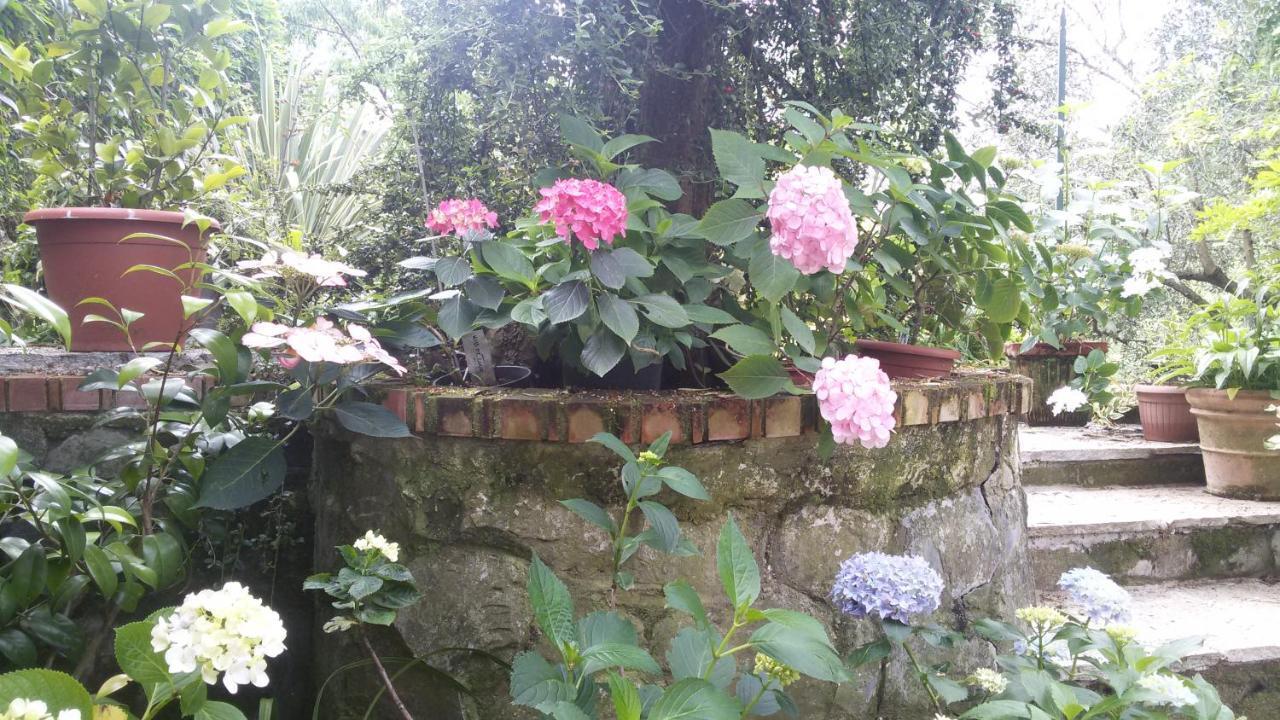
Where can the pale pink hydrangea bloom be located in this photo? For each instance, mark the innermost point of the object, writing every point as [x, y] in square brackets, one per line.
[321, 342]
[811, 221]
[855, 396]
[455, 216]
[590, 210]
[328, 273]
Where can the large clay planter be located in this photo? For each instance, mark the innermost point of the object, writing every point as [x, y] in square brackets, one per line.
[1166, 414]
[85, 255]
[909, 362]
[1049, 369]
[1233, 436]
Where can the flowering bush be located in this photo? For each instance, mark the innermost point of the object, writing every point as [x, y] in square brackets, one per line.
[855, 397]
[589, 210]
[810, 221]
[1098, 598]
[458, 217]
[889, 587]
[226, 631]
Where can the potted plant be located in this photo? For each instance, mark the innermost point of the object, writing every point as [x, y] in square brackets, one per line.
[865, 245]
[121, 111]
[603, 275]
[1085, 266]
[1230, 361]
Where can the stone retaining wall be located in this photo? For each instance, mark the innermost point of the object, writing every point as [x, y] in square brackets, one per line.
[477, 492]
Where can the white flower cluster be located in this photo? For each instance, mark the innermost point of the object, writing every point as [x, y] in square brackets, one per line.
[1167, 690]
[373, 541]
[23, 709]
[988, 680]
[1148, 269]
[1067, 399]
[226, 631]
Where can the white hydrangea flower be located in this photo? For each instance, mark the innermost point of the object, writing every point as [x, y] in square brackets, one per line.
[374, 541]
[228, 632]
[1138, 286]
[1167, 690]
[341, 623]
[988, 680]
[261, 411]
[24, 709]
[1067, 399]
[1150, 260]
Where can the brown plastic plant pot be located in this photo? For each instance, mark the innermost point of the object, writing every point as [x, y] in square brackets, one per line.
[1233, 437]
[1166, 414]
[909, 362]
[1049, 369]
[85, 254]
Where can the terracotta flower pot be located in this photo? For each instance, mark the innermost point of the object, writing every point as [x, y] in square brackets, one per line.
[84, 255]
[1049, 369]
[1166, 415]
[1233, 435]
[909, 362]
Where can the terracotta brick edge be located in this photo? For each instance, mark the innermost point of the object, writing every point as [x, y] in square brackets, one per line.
[692, 416]
[38, 393]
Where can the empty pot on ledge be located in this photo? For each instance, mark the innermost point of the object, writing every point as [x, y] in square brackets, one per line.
[1166, 414]
[901, 361]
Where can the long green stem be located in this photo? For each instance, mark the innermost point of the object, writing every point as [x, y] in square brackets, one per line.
[924, 678]
[764, 686]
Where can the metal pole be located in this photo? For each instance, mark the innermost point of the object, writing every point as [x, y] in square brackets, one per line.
[1062, 101]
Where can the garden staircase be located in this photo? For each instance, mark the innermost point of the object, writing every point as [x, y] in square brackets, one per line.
[1195, 564]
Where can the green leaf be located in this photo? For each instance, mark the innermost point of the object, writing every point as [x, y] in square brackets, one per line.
[739, 162]
[507, 261]
[224, 25]
[17, 648]
[104, 576]
[770, 275]
[663, 310]
[163, 554]
[657, 183]
[28, 573]
[665, 527]
[58, 691]
[708, 314]
[566, 301]
[456, 316]
[250, 471]
[33, 302]
[137, 659]
[626, 699]
[1004, 300]
[617, 655]
[369, 419]
[565, 710]
[799, 649]
[452, 271]
[619, 316]
[192, 305]
[219, 711]
[8, 456]
[984, 156]
[602, 351]
[535, 682]
[136, 367]
[729, 221]
[552, 606]
[739, 573]
[592, 513]
[799, 331]
[683, 482]
[577, 131]
[870, 653]
[746, 340]
[618, 447]
[529, 312]
[999, 710]
[694, 699]
[623, 143]
[225, 356]
[756, 377]
[607, 270]
[484, 291]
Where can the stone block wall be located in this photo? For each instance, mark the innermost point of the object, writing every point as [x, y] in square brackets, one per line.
[477, 492]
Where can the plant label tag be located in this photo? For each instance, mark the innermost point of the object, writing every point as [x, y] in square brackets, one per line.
[475, 345]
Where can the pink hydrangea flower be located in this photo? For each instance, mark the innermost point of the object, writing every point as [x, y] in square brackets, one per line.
[328, 273]
[321, 342]
[590, 210]
[855, 396]
[811, 221]
[454, 217]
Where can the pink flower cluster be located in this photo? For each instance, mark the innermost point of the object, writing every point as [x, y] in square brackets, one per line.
[855, 396]
[322, 342]
[592, 211]
[328, 273]
[811, 221]
[454, 217]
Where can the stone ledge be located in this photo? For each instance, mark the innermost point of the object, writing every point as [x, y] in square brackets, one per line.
[59, 393]
[692, 416]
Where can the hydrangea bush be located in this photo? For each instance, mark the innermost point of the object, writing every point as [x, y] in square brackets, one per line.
[855, 397]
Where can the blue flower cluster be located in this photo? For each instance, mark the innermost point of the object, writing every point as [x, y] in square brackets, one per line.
[891, 587]
[1096, 596]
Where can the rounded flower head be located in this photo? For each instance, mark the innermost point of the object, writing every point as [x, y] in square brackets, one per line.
[988, 680]
[1122, 635]
[891, 587]
[228, 632]
[592, 211]
[24, 709]
[373, 542]
[855, 396]
[1041, 618]
[454, 217]
[1097, 596]
[1066, 399]
[321, 342]
[811, 221]
[326, 273]
[1167, 690]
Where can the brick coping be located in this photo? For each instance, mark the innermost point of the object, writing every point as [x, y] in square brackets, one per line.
[692, 416]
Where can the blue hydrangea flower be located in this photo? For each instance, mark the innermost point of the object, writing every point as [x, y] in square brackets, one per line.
[1096, 596]
[891, 587]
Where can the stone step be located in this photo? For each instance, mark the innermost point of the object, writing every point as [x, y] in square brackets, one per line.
[1147, 534]
[1240, 622]
[1091, 457]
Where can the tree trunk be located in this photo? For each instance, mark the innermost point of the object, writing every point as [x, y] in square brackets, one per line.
[676, 98]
